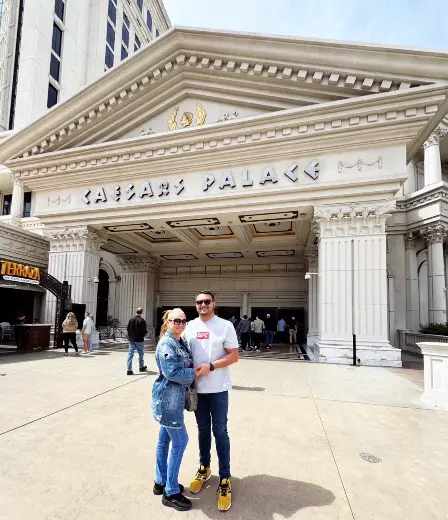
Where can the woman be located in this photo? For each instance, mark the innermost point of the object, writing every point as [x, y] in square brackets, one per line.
[69, 326]
[176, 373]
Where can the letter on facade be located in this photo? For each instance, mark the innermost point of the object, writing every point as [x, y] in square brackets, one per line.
[246, 180]
[227, 180]
[268, 175]
[129, 191]
[208, 181]
[179, 186]
[100, 196]
[163, 188]
[146, 190]
[290, 172]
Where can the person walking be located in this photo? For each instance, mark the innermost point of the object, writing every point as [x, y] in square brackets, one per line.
[292, 325]
[87, 329]
[258, 328]
[136, 334]
[281, 329]
[69, 326]
[269, 324]
[244, 328]
[214, 346]
[176, 373]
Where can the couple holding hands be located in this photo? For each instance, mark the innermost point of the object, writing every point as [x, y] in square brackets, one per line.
[198, 353]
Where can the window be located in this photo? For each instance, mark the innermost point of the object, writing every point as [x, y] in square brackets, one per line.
[112, 11]
[140, 4]
[157, 33]
[55, 67]
[109, 59]
[56, 43]
[110, 37]
[59, 8]
[52, 96]
[7, 200]
[27, 204]
[137, 44]
[126, 20]
[149, 20]
[125, 35]
[124, 52]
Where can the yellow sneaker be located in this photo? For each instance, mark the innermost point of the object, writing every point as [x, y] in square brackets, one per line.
[224, 494]
[202, 475]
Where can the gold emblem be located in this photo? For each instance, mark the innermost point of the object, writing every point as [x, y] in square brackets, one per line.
[187, 118]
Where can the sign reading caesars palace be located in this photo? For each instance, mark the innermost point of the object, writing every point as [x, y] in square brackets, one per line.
[227, 180]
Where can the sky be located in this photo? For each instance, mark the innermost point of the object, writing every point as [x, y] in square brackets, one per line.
[410, 23]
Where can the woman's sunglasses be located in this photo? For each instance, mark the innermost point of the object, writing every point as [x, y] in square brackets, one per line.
[205, 302]
[178, 321]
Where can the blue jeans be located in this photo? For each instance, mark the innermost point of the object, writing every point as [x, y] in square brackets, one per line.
[132, 346]
[167, 469]
[269, 337]
[212, 415]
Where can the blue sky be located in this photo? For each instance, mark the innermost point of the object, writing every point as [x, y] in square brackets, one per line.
[415, 23]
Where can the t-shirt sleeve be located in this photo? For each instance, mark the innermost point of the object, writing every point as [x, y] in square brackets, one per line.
[231, 340]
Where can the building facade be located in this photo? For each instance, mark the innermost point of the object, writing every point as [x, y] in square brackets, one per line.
[291, 176]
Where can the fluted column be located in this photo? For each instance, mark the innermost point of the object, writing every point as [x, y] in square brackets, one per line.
[245, 307]
[17, 197]
[433, 166]
[435, 235]
[412, 302]
[75, 257]
[311, 258]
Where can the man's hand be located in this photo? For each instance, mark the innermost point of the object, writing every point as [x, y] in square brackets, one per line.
[202, 370]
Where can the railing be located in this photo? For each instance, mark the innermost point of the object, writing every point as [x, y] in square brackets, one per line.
[408, 340]
[109, 332]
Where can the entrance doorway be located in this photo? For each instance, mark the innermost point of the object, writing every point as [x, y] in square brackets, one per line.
[102, 299]
[285, 313]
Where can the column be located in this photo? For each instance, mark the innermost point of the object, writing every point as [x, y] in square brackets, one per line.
[433, 166]
[137, 289]
[17, 197]
[435, 235]
[245, 308]
[311, 258]
[353, 284]
[412, 301]
[75, 257]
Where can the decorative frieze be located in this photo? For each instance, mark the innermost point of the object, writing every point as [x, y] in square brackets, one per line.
[138, 264]
[23, 246]
[76, 239]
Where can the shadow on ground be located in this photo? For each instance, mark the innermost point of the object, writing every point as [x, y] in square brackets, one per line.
[14, 357]
[262, 497]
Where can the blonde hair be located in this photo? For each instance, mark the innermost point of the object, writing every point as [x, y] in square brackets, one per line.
[71, 318]
[166, 319]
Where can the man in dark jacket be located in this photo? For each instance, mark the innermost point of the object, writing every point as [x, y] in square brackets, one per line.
[270, 328]
[243, 330]
[136, 334]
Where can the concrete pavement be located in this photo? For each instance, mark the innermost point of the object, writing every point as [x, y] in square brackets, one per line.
[77, 442]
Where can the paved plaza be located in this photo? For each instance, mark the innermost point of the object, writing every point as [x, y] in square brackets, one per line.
[77, 442]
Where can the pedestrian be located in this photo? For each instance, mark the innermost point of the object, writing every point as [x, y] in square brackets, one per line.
[281, 329]
[258, 328]
[292, 326]
[244, 328]
[214, 346]
[176, 373]
[136, 334]
[269, 325]
[69, 326]
[87, 329]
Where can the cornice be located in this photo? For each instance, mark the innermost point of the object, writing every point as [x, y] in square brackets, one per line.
[429, 195]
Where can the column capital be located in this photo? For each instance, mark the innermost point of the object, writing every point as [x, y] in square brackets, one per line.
[435, 234]
[311, 256]
[357, 219]
[138, 264]
[76, 239]
[410, 240]
[436, 137]
[16, 179]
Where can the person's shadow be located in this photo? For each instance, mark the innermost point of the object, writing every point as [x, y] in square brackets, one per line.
[261, 497]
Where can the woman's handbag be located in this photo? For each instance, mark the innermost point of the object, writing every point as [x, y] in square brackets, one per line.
[191, 399]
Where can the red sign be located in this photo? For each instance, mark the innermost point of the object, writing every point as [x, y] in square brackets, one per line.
[202, 335]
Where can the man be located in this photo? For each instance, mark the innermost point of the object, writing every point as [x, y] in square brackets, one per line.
[292, 331]
[258, 328]
[136, 334]
[214, 346]
[269, 325]
[281, 328]
[87, 329]
[244, 331]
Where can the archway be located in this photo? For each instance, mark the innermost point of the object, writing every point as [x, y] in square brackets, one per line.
[102, 304]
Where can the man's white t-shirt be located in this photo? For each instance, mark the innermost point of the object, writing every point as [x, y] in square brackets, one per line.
[208, 342]
[88, 324]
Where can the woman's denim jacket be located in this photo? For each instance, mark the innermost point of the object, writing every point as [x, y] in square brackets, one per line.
[168, 393]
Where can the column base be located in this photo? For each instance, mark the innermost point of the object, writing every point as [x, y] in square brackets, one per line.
[342, 354]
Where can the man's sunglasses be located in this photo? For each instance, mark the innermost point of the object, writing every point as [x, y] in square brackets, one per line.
[178, 321]
[205, 302]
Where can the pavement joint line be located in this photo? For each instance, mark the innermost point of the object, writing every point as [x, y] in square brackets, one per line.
[74, 404]
[329, 447]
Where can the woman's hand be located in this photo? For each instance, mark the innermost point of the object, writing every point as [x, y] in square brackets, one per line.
[202, 370]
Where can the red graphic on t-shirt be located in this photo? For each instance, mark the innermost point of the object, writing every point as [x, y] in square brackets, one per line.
[202, 335]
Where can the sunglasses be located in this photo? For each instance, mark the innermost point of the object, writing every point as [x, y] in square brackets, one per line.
[178, 321]
[205, 302]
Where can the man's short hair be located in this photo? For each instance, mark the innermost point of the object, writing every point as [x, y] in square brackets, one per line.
[268, 315]
[139, 310]
[88, 313]
[206, 292]
[245, 317]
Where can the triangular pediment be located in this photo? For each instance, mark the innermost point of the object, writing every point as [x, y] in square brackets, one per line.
[224, 73]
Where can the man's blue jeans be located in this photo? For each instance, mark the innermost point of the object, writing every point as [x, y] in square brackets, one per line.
[167, 469]
[269, 337]
[211, 414]
[132, 346]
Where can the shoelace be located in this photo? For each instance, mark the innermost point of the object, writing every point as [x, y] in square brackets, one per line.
[200, 475]
[223, 489]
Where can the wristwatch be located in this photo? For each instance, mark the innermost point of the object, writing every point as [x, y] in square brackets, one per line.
[212, 367]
